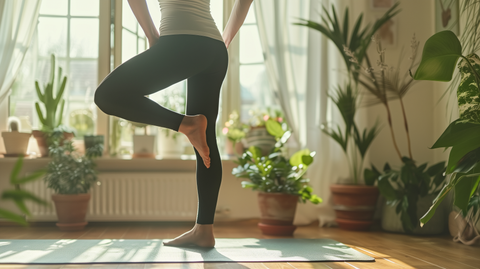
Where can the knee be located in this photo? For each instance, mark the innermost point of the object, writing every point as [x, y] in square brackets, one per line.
[101, 100]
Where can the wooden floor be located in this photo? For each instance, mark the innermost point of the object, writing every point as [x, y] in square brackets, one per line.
[389, 250]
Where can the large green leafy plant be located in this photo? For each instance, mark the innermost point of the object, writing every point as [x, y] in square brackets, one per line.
[68, 172]
[353, 141]
[19, 196]
[274, 173]
[404, 187]
[440, 55]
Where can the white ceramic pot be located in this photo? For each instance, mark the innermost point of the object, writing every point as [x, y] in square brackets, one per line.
[436, 225]
[143, 146]
[16, 143]
[170, 144]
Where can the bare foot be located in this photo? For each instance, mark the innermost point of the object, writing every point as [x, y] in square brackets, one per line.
[195, 128]
[200, 235]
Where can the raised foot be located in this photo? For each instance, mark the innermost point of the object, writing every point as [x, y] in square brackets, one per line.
[200, 236]
[195, 128]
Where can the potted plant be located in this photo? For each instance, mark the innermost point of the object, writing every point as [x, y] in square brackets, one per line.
[439, 58]
[16, 143]
[91, 141]
[258, 135]
[71, 177]
[354, 202]
[18, 195]
[235, 131]
[52, 114]
[171, 143]
[279, 181]
[144, 144]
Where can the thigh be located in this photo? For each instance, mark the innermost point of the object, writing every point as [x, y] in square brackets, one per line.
[172, 59]
[203, 93]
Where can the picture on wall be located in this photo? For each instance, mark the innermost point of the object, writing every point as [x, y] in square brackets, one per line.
[446, 16]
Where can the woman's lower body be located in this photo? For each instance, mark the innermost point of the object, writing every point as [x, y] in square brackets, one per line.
[203, 61]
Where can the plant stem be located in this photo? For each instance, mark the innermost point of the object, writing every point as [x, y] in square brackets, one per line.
[391, 131]
[406, 128]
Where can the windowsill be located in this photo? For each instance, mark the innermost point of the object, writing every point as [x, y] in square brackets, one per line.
[184, 163]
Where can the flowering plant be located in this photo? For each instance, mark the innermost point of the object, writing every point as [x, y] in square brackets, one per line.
[234, 129]
[260, 117]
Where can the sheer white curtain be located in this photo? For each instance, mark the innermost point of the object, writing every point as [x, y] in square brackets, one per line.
[302, 66]
[18, 20]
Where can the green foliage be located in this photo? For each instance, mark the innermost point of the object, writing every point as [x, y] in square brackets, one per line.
[19, 196]
[440, 54]
[274, 173]
[358, 41]
[463, 134]
[52, 117]
[406, 186]
[345, 98]
[68, 172]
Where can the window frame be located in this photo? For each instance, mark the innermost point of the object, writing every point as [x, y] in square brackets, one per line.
[110, 56]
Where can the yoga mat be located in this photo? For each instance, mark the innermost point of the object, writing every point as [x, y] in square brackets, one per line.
[153, 250]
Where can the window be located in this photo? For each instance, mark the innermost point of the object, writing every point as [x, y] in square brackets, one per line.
[70, 30]
[254, 89]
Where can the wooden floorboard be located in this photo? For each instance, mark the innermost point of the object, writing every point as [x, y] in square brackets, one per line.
[389, 250]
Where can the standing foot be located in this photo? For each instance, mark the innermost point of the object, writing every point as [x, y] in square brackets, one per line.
[195, 128]
[200, 235]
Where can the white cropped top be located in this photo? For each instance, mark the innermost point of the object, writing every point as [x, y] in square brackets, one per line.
[187, 17]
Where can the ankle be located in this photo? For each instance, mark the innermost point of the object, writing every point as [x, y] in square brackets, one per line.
[186, 125]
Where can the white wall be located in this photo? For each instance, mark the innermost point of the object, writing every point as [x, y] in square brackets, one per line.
[426, 117]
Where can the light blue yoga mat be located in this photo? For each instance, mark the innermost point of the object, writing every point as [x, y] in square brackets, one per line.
[153, 250]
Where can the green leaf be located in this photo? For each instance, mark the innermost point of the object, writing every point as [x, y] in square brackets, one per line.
[248, 184]
[439, 57]
[464, 189]
[385, 188]
[34, 176]
[297, 157]
[438, 200]
[370, 176]
[468, 162]
[16, 171]
[255, 151]
[458, 152]
[13, 217]
[456, 133]
[274, 128]
[307, 159]
[22, 195]
[436, 169]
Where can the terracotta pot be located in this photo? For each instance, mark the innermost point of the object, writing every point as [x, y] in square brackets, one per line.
[71, 210]
[238, 150]
[354, 205]
[277, 212]
[41, 138]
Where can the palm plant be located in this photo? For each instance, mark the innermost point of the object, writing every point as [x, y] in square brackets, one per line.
[350, 45]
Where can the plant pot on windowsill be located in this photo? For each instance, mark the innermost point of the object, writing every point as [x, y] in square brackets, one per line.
[16, 143]
[143, 146]
[170, 144]
[354, 205]
[42, 140]
[93, 140]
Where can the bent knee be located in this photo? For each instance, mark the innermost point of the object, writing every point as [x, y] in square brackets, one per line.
[102, 101]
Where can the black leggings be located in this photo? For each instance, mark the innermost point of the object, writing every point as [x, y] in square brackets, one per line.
[201, 60]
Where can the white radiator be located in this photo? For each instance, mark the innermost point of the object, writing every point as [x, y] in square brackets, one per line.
[130, 197]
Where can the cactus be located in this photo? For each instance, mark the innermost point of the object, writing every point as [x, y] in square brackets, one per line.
[51, 119]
